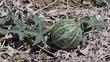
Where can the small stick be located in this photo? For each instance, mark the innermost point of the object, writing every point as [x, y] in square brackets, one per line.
[45, 50]
[46, 6]
[3, 44]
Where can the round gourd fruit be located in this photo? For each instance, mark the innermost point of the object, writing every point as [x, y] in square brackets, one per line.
[66, 34]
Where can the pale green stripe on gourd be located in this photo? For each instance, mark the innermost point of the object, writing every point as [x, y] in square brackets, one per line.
[61, 24]
[65, 34]
[61, 32]
[65, 40]
[74, 40]
[60, 29]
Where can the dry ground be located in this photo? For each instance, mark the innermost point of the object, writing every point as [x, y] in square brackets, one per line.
[94, 49]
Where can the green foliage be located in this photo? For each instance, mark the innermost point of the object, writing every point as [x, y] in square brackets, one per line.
[39, 28]
[101, 2]
[20, 27]
[107, 2]
[67, 34]
[91, 24]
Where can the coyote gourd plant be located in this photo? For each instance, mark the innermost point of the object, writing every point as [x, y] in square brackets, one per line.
[67, 34]
[20, 28]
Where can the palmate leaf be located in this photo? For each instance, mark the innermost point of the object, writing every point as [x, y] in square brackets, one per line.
[39, 24]
[102, 1]
[98, 25]
[2, 21]
[39, 27]
[107, 2]
[91, 23]
[17, 21]
[86, 24]
[99, 3]
[23, 34]
[20, 28]
[38, 37]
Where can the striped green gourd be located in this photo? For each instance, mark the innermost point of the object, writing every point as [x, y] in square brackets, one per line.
[66, 34]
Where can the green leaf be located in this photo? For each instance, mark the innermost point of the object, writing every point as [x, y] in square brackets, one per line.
[20, 27]
[2, 21]
[107, 2]
[17, 21]
[91, 23]
[98, 25]
[39, 28]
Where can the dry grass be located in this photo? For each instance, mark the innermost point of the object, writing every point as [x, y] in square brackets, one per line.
[94, 49]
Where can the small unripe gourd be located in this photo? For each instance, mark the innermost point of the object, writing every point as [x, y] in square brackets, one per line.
[66, 34]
